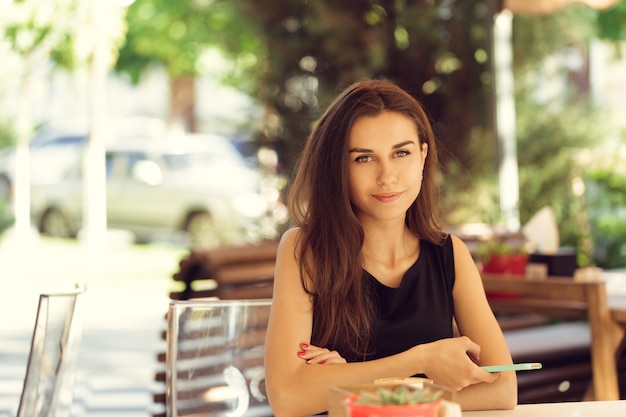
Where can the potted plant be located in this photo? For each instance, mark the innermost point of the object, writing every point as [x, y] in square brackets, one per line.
[400, 401]
[502, 257]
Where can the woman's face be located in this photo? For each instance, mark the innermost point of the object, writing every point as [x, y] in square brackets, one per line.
[386, 161]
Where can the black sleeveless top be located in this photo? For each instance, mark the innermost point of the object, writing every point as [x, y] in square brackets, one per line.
[420, 310]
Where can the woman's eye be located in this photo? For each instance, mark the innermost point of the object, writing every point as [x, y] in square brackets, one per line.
[402, 154]
[363, 158]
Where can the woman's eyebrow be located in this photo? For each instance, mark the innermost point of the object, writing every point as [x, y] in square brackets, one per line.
[360, 150]
[396, 146]
[402, 144]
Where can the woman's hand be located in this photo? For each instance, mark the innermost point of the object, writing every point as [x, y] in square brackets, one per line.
[318, 355]
[453, 363]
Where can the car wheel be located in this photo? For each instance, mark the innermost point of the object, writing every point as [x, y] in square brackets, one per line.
[55, 224]
[201, 231]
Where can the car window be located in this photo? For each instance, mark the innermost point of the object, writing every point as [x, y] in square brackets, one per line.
[117, 165]
[186, 160]
[199, 159]
[131, 160]
[70, 140]
[110, 160]
[121, 164]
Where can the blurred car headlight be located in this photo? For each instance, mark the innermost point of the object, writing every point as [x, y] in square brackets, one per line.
[250, 205]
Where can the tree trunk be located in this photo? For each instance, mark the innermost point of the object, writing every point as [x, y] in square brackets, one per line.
[183, 102]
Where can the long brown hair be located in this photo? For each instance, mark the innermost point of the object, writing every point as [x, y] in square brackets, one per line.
[331, 237]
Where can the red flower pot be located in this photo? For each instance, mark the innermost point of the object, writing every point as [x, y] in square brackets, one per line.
[506, 264]
[430, 409]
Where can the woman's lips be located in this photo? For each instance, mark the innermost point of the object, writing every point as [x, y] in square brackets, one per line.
[387, 197]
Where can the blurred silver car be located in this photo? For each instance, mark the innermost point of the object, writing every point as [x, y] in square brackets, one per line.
[59, 143]
[195, 189]
[51, 151]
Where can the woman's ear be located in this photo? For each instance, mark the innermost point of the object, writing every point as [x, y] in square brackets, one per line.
[424, 150]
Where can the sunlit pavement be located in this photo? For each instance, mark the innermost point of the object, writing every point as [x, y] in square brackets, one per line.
[121, 336]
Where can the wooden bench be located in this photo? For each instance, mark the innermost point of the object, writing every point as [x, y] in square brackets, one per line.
[230, 272]
[618, 314]
[588, 346]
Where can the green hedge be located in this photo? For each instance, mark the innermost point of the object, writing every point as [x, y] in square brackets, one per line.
[606, 206]
[8, 138]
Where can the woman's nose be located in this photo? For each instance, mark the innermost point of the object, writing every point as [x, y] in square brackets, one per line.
[386, 175]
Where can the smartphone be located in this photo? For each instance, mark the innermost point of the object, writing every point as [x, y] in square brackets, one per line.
[514, 367]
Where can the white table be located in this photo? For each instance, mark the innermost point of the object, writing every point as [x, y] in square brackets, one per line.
[565, 409]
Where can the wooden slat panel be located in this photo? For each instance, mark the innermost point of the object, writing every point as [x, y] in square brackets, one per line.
[550, 288]
[228, 255]
[552, 308]
[247, 273]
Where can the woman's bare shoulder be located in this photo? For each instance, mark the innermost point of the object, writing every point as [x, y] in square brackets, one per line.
[288, 240]
[288, 272]
[287, 254]
[290, 234]
[459, 246]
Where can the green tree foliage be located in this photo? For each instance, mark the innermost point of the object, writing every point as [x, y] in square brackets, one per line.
[7, 134]
[553, 129]
[181, 34]
[294, 55]
[440, 52]
[535, 38]
[48, 28]
[607, 207]
[189, 38]
[8, 138]
[611, 23]
[436, 50]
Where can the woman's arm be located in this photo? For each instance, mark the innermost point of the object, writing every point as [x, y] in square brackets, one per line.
[297, 388]
[476, 321]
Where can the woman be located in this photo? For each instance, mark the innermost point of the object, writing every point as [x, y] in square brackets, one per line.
[368, 285]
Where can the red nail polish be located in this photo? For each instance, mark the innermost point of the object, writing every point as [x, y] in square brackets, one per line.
[301, 353]
[304, 345]
[322, 362]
